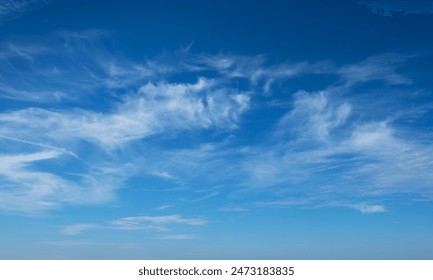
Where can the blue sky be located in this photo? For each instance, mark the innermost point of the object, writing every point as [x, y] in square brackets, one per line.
[225, 130]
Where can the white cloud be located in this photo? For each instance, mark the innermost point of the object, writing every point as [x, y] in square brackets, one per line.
[147, 223]
[159, 223]
[322, 149]
[25, 189]
[377, 137]
[313, 116]
[321, 132]
[9, 50]
[177, 237]
[95, 69]
[42, 145]
[155, 109]
[164, 175]
[390, 8]
[369, 209]
[10, 9]
[286, 202]
[77, 229]
[233, 209]
[72, 67]
[381, 67]
[257, 71]
[163, 207]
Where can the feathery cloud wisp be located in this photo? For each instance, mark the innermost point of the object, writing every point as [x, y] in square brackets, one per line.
[155, 223]
[369, 209]
[77, 229]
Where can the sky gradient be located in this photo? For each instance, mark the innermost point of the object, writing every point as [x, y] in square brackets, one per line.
[216, 130]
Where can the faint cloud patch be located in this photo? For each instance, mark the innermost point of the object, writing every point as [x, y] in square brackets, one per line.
[177, 237]
[164, 207]
[233, 209]
[10, 9]
[369, 209]
[77, 229]
[159, 223]
[391, 8]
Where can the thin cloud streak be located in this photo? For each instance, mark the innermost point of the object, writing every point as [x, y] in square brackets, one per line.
[10, 9]
[155, 222]
[152, 224]
[78, 229]
[178, 237]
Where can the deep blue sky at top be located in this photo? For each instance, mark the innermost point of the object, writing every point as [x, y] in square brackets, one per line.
[298, 30]
[216, 129]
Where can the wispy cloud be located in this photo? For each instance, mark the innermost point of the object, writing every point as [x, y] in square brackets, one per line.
[382, 67]
[321, 144]
[177, 226]
[321, 153]
[159, 223]
[25, 189]
[233, 209]
[257, 70]
[10, 9]
[369, 209]
[42, 145]
[314, 115]
[178, 237]
[83, 68]
[163, 207]
[154, 109]
[78, 229]
[164, 175]
[390, 8]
